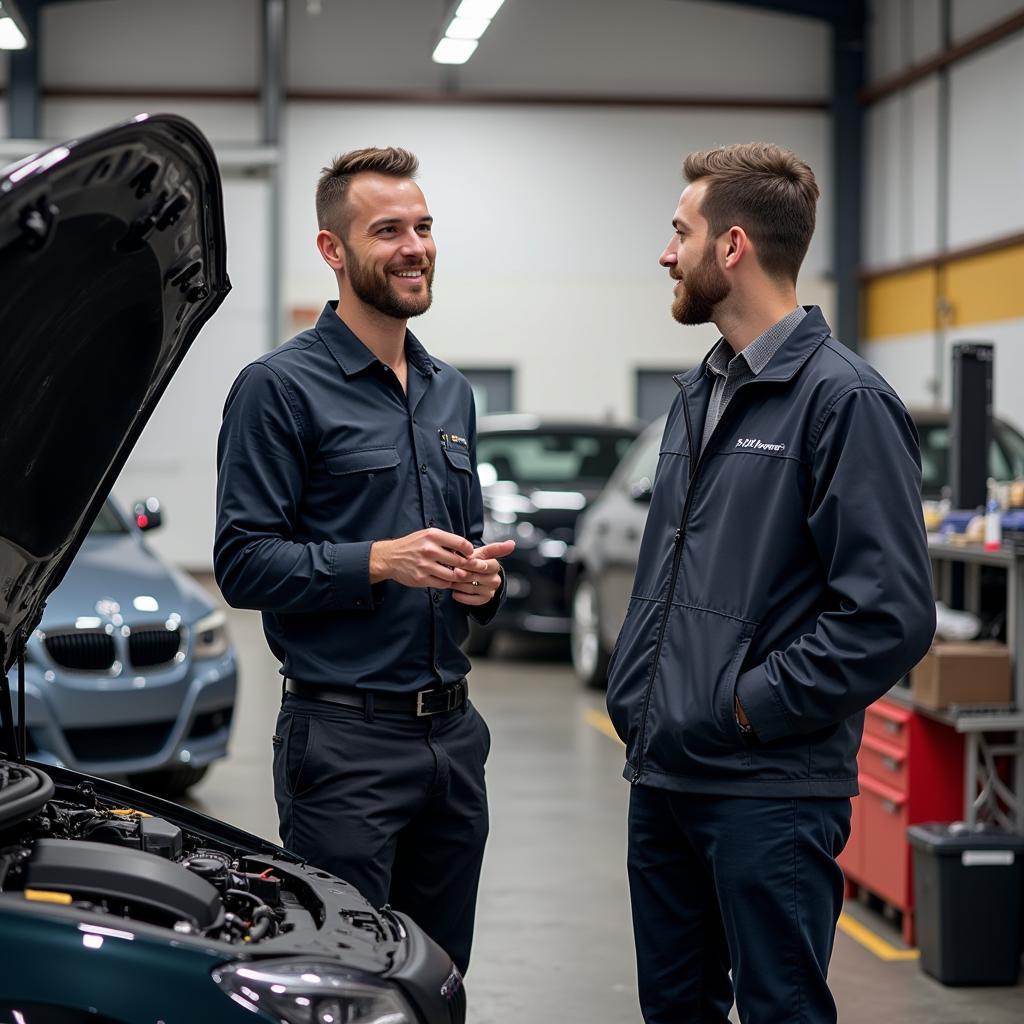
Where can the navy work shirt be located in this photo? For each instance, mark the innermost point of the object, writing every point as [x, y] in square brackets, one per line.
[320, 454]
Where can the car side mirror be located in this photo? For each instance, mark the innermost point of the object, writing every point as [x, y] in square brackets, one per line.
[641, 490]
[148, 514]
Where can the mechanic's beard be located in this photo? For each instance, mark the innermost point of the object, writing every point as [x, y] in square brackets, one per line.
[376, 289]
[703, 289]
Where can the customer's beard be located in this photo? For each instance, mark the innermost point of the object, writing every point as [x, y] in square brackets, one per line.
[703, 289]
[376, 290]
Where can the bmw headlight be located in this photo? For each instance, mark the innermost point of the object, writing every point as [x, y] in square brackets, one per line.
[307, 992]
[211, 636]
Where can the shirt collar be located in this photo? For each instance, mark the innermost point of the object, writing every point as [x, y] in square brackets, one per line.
[759, 352]
[354, 357]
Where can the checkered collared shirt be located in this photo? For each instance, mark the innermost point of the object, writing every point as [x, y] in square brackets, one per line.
[733, 370]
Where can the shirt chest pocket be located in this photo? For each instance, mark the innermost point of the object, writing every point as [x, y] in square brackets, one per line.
[458, 476]
[362, 478]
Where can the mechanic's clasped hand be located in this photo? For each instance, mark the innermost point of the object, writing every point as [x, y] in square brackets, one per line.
[445, 561]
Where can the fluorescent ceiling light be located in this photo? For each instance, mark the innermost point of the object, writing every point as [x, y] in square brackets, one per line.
[478, 9]
[454, 51]
[11, 37]
[467, 28]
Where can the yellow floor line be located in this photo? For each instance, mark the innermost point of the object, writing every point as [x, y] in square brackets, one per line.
[602, 723]
[874, 943]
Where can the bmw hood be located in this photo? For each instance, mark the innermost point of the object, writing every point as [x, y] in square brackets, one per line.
[112, 254]
[119, 575]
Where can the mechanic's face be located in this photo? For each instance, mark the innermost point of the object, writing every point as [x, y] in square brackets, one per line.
[389, 248]
[690, 259]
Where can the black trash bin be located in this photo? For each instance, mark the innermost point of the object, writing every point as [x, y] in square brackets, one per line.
[967, 900]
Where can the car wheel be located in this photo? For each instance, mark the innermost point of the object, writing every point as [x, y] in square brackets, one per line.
[478, 643]
[589, 655]
[170, 782]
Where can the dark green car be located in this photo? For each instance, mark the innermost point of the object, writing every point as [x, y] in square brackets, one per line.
[117, 907]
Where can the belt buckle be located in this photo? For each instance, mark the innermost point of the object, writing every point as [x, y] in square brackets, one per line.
[450, 694]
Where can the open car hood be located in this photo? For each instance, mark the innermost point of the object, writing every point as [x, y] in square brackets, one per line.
[112, 255]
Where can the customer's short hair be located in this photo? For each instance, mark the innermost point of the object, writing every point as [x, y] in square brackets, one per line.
[332, 212]
[764, 189]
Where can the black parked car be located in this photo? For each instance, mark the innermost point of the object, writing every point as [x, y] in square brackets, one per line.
[115, 905]
[537, 476]
[608, 542]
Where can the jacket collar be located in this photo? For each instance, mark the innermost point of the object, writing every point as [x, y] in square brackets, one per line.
[807, 336]
[353, 356]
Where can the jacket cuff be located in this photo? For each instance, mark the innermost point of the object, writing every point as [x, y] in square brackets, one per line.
[352, 576]
[485, 612]
[762, 708]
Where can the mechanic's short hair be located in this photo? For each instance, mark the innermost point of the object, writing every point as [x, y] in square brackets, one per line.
[332, 212]
[764, 189]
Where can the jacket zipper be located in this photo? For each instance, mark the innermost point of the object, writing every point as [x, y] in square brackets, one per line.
[676, 560]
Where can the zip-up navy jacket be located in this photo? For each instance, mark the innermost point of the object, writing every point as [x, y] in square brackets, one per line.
[788, 566]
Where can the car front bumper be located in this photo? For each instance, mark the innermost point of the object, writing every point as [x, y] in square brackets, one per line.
[176, 717]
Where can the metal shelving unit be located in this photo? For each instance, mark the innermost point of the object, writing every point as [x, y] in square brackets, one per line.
[986, 795]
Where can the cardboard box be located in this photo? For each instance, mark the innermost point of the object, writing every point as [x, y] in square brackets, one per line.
[963, 673]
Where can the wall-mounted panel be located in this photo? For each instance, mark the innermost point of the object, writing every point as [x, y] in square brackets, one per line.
[884, 142]
[925, 29]
[920, 180]
[973, 16]
[886, 54]
[987, 144]
[190, 44]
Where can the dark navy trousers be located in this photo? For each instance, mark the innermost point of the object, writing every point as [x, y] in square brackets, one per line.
[394, 804]
[751, 886]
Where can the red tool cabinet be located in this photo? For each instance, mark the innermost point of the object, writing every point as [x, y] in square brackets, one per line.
[911, 769]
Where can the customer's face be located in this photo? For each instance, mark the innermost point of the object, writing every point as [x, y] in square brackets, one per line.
[389, 246]
[691, 261]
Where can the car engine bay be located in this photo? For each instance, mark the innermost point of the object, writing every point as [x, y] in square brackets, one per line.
[82, 851]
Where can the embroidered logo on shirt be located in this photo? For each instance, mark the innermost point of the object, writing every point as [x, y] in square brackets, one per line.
[757, 444]
[453, 440]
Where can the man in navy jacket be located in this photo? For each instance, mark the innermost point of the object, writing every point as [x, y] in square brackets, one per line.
[783, 585]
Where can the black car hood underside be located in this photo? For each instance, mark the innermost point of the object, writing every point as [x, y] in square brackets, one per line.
[112, 255]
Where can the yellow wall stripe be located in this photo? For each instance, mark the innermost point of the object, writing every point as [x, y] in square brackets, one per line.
[987, 287]
[901, 303]
[979, 289]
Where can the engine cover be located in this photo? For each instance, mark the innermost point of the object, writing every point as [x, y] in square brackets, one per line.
[100, 870]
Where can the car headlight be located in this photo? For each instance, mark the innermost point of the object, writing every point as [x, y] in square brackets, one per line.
[211, 636]
[309, 992]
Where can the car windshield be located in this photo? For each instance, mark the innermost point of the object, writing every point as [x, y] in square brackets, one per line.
[1005, 457]
[107, 522]
[550, 457]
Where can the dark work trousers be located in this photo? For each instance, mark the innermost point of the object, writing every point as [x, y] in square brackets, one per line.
[735, 882]
[394, 804]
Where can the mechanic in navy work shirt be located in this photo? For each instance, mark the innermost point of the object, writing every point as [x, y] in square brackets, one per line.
[783, 585]
[349, 514]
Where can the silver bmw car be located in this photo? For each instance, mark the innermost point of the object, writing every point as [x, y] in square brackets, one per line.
[130, 672]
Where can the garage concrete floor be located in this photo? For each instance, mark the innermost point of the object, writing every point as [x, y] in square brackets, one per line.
[553, 930]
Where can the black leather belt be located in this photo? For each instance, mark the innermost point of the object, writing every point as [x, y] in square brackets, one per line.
[436, 701]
